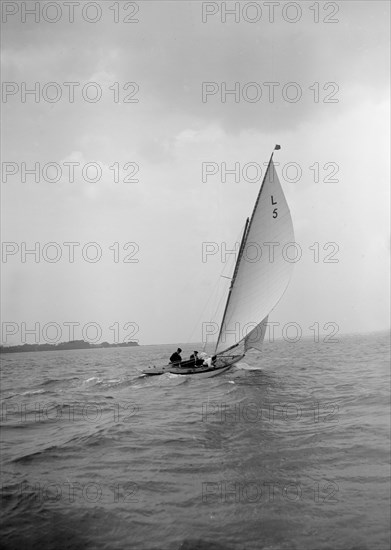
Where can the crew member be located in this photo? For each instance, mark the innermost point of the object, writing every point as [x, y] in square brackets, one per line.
[194, 356]
[175, 357]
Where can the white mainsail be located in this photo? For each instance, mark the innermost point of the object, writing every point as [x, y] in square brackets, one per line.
[263, 269]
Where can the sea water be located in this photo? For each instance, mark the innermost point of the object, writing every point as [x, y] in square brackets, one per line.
[287, 450]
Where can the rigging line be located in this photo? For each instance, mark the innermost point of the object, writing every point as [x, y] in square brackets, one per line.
[233, 280]
[211, 296]
[227, 266]
[214, 316]
[232, 271]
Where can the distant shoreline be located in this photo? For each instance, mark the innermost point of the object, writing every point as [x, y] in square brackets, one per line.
[74, 344]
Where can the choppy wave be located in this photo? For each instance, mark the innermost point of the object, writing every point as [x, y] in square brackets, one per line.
[288, 450]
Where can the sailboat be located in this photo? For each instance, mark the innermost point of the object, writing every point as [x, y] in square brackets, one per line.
[257, 285]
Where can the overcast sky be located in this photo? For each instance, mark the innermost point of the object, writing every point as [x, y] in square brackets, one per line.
[333, 118]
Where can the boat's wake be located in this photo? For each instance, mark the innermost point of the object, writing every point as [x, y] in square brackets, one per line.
[245, 366]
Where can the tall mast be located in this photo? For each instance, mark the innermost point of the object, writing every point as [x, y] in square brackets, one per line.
[242, 245]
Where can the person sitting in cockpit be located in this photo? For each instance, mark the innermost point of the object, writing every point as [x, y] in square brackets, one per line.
[175, 357]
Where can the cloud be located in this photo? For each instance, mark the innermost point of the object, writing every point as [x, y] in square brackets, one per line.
[170, 132]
